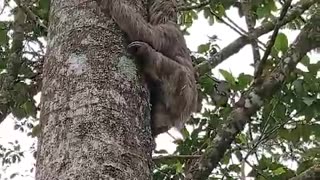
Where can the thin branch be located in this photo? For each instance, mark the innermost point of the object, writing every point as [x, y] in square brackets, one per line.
[5, 3]
[272, 40]
[244, 32]
[263, 138]
[251, 22]
[300, 17]
[233, 26]
[259, 171]
[240, 42]
[236, 25]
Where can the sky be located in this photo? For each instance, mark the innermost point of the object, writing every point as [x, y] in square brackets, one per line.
[199, 33]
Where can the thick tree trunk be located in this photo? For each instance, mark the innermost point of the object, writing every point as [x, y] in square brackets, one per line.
[95, 121]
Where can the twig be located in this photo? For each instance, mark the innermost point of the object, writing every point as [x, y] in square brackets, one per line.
[174, 138]
[242, 30]
[226, 23]
[272, 40]
[265, 135]
[255, 168]
[5, 3]
[235, 24]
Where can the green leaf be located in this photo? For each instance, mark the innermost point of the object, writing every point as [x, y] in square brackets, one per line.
[262, 12]
[264, 162]
[235, 168]
[19, 112]
[298, 86]
[211, 20]
[179, 167]
[188, 19]
[3, 37]
[243, 81]
[228, 76]
[314, 68]
[305, 61]
[194, 15]
[288, 135]
[14, 174]
[203, 48]
[304, 166]
[241, 139]
[309, 100]
[281, 42]
[279, 171]
[30, 108]
[185, 133]
[206, 12]
[26, 71]
[207, 83]
[303, 132]
[280, 111]
[44, 4]
[272, 5]
[220, 10]
[3, 64]
[20, 93]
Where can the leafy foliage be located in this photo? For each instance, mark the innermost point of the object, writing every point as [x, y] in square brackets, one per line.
[21, 56]
[285, 131]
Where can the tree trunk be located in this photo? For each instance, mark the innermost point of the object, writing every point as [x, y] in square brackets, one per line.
[95, 115]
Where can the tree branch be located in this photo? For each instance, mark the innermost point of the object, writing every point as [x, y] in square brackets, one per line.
[239, 43]
[311, 173]
[252, 100]
[260, 65]
[251, 22]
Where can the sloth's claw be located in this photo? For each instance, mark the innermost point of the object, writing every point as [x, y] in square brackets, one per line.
[135, 46]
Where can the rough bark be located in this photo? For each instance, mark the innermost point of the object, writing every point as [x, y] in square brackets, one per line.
[94, 105]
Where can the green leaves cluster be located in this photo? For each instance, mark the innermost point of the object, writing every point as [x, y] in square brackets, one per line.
[20, 67]
[21, 56]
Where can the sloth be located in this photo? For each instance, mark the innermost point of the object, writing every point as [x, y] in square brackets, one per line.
[160, 48]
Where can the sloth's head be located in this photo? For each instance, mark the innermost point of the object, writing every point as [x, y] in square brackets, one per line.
[162, 11]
